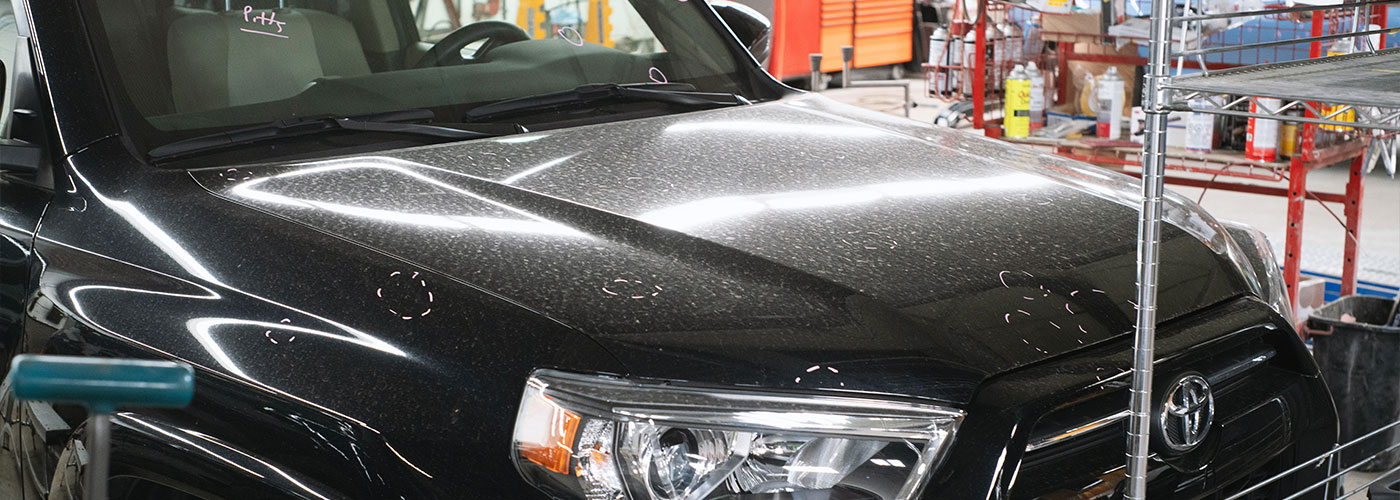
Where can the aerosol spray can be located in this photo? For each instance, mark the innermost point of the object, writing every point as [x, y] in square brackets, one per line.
[1037, 98]
[970, 61]
[1200, 128]
[1110, 104]
[1290, 136]
[938, 57]
[1017, 118]
[1261, 138]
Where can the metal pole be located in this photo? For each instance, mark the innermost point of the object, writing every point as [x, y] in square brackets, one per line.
[99, 446]
[601, 24]
[907, 102]
[1149, 239]
[816, 60]
[847, 54]
[530, 19]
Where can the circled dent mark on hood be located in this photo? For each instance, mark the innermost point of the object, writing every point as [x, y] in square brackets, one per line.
[407, 296]
[631, 289]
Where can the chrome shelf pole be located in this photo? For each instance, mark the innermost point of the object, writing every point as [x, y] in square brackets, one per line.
[1155, 100]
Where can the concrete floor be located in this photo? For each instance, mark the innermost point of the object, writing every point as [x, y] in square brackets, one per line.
[1323, 236]
[1354, 480]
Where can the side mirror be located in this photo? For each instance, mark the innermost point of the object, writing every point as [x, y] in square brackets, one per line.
[754, 29]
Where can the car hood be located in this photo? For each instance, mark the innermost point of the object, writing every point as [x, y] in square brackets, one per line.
[799, 243]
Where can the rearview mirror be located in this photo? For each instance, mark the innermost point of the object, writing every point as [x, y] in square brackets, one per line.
[753, 29]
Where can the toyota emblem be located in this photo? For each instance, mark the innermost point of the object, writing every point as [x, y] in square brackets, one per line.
[1186, 411]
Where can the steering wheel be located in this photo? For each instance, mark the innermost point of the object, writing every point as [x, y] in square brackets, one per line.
[448, 51]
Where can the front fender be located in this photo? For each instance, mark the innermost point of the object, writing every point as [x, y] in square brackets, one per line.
[305, 351]
[149, 448]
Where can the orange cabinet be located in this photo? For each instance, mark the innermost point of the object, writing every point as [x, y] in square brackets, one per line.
[837, 30]
[884, 32]
[880, 30]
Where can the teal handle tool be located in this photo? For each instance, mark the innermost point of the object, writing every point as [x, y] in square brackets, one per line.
[102, 385]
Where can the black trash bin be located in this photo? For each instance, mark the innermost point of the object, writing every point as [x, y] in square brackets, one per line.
[1360, 360]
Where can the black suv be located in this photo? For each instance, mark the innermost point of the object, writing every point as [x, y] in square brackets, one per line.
[590, 251]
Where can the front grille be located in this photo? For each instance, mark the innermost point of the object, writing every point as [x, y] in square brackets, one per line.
[1052, 430]
[1078, 449]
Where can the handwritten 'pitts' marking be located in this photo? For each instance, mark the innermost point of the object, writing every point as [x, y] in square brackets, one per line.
[264, 18]
[564, 33]
[656, 75]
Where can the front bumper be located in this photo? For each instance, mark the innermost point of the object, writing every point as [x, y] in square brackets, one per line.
[1056, 429]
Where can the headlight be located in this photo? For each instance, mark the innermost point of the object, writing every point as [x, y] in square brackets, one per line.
[604, 438]
[1260, 254]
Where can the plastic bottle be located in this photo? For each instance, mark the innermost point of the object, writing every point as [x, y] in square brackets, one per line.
[1037, 97]
[1032, 42]
[1017, 119]
[1087, 102]
[1261, 138]
[1200, 128]
[1110, 104]
[1339, 47]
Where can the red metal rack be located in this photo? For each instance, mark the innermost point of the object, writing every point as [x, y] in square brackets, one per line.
[1223, 171]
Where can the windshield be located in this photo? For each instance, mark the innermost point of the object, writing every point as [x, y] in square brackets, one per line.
[188, 68]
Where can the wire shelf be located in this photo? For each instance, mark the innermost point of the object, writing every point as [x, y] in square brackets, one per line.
[1336, 467]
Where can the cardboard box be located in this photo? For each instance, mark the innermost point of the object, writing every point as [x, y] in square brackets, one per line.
[1061, 27]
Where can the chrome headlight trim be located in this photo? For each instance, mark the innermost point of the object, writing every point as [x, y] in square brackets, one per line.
[621, 402]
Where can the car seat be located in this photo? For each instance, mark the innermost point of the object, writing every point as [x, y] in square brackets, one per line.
[229, 59]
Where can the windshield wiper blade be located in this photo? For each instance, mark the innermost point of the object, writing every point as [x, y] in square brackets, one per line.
[396, 122]
[672, 93]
